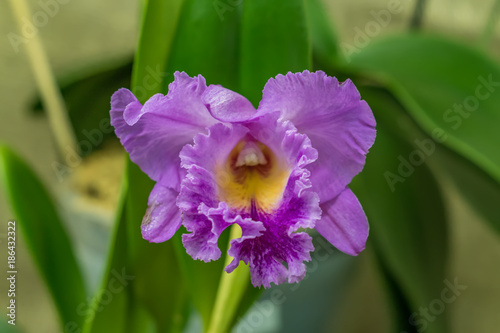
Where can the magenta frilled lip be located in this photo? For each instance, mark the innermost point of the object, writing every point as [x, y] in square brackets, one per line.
[276, 171]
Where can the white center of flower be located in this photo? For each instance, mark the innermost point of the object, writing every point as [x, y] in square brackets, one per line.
[251, 155]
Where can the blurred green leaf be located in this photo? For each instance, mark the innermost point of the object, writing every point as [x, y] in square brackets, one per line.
[8, 328]
[202, 279]
[407, 217]
[324, 40]
[250, 296]
[110, 313]
[122, 303]
[159, 24]
[274, 39]
[86, 94]
[477, 187]
[44, 234]
[329, 273]
[206, 42]
[445, 86]
[158, 284]
[397, 301]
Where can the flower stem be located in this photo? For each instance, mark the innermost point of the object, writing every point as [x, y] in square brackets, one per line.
[231, 289]
[46, 82]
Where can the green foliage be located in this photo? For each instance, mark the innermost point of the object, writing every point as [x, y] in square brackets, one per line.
[433, 77]
[111, 301]
[159, 285]
[45, 236]
[434, 95]
[274, 40]
[478, 187]
[213, 54]
[407, 220]
[207, 43]
[86, 95]
[159, 24]
[324, 41]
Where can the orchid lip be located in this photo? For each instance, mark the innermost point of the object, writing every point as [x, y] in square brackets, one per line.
[274, 171]
[253, 178]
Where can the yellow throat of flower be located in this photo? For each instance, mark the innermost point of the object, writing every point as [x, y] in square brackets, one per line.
[251, 178]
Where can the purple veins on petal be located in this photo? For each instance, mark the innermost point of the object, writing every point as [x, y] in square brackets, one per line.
[242, 174]
[340, 125]
[163, 217]
[344, 223]
[274, 171]
[155, 133]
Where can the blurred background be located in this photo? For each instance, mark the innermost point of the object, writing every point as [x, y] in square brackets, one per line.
[84, 37]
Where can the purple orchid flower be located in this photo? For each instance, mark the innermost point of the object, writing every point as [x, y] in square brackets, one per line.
[217, 161]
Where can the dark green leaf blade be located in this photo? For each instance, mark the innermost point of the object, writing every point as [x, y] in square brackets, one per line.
[45, 235]
[478, 187]
[444, 85]
[207, 43]
[324, 41]
[114, 296]
[86, 94]
[407, 218]
[158, 284]
[274, 40]
[159, 23]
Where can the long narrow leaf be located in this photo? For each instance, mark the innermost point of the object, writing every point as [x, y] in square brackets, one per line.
[407, 218]
[45, 236]
[274, 40]
[445, 86]
[158, 285]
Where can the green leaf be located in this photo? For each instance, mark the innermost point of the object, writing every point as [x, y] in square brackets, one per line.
[397, 302]
[159, 24]
[109, 306]
[329, 274]
[5, 327]
[406, 214]
[86, 94]
[478, 188]
[44, 234]
[207, 42]
[250, 296]
[122, 303]
[201, 278]
[444, 85]
[324, 39]
[274, 40]
[158, 284]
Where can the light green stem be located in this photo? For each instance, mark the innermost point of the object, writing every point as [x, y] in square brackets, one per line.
[46, 82]
[231, 289]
